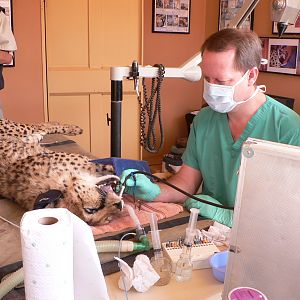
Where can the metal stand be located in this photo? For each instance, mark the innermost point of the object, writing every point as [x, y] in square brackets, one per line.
[189, 71]
[116, 117]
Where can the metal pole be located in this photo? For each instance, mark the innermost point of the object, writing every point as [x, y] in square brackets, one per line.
[116, 117]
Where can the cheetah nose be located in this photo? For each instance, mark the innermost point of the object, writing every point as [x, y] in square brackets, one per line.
[119, 205]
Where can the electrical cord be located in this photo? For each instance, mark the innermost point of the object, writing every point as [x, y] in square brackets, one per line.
[152, 111]
[9, 222]
[119, 255]
[176, 188]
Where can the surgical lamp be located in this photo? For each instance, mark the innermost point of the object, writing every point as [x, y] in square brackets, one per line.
[284, 12]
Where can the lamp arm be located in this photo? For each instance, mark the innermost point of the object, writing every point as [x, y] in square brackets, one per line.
[243, 13]
[190, 70]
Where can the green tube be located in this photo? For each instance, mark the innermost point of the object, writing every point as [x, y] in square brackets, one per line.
[139, 247]
[144, 245]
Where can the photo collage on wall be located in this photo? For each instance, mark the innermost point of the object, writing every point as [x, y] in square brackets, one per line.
[171, 16]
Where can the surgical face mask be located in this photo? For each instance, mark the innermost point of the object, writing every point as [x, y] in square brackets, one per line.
[220, 97]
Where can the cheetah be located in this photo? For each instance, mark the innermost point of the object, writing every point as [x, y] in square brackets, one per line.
[28, 170]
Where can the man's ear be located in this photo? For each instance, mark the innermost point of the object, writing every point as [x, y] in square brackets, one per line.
[253, 74]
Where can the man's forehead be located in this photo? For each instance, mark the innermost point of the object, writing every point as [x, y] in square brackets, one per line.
[226, 56]
[218, 64]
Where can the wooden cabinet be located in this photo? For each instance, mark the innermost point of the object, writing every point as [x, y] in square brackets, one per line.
[84, 38]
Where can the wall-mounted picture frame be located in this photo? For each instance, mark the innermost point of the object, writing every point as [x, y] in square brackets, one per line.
[283, 55]
[228, 10]
[291, 29]
[171, 16]
[7, 5]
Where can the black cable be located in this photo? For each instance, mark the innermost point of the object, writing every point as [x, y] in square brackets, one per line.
[151, 111]
[176, 188]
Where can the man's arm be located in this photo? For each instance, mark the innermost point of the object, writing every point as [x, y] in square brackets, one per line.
[5, 57]
[187, 179]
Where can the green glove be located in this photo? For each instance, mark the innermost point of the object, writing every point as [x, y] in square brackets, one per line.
[140, 185]
[221, 215]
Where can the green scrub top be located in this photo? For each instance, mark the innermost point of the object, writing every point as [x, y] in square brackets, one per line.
[212, 150]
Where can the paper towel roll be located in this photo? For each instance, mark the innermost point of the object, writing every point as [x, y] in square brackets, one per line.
[59, 257]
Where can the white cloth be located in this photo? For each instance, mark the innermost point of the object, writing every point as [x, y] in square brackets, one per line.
[142, 276]
[218, 233]
[7, 39]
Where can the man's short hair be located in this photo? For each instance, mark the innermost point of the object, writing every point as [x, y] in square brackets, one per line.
[247, 46]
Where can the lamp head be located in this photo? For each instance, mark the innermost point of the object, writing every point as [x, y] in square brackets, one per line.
[284, 12]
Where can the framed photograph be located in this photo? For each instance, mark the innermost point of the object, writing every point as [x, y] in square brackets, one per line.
[283, 55]
[291, 29]
[7, 5]
[228, 10]
[171, 16]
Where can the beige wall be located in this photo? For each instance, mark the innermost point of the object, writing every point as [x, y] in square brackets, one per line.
[22, 97]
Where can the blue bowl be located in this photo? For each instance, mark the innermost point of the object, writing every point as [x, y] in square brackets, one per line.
[218, 263]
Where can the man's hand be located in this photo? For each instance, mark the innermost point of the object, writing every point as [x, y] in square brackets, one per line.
[5, 57]
[139, 185]
[221, 215]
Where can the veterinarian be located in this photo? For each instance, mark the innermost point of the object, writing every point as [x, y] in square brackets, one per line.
[238, 109]
[7, 47]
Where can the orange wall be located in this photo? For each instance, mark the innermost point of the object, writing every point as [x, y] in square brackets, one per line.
[178, 96]
[22, 97]
[277, 84]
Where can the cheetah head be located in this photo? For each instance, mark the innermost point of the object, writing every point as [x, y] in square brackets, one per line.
[93, 199]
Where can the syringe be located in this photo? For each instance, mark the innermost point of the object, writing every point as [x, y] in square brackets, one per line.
[140, 232]
[160, 263]
[191, 230]
[184, 266]
[155, 237]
